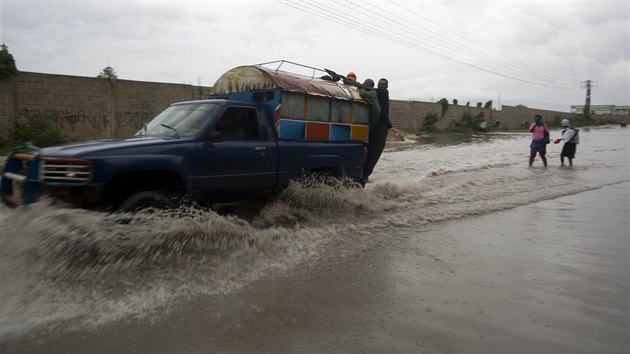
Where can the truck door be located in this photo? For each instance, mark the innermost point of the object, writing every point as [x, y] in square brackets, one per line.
[240, 160]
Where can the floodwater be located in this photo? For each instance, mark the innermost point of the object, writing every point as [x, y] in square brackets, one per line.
[454, 246]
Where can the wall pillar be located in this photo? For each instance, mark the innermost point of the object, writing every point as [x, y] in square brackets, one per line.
[8, 107]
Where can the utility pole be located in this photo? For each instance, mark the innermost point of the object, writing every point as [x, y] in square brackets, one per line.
[587, 104]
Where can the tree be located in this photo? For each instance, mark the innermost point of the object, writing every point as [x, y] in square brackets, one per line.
[455, 101]
[444, 103]
[429, 123]
[108, 73]
[38, 129]
[7, 63]
[488, 104]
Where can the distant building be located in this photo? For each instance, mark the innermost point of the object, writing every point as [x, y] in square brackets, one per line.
[603, 109]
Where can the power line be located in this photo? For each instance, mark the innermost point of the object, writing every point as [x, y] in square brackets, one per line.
[542, 73]
[312, 8]
[462, 48]
[614, 98]
[412, 45]
[436, 47]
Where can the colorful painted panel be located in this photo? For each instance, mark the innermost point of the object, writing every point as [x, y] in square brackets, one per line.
[302, 130]
[360, 132]
[340, 132]
[317, 131]
[307, 117]
[291, 129]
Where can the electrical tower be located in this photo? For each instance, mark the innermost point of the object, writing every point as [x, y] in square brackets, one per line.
[587, 105]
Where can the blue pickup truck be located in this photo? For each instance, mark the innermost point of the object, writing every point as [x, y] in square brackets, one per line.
[260, 129]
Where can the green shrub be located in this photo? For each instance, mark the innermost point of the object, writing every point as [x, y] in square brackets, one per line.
[38, 130]
[468, 123]
[429, 123]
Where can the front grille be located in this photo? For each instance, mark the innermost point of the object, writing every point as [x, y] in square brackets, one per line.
[58, 170]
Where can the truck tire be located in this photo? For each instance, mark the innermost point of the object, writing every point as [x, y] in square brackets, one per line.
[146, 202]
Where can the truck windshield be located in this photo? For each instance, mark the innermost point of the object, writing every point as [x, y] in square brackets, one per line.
[183, 120]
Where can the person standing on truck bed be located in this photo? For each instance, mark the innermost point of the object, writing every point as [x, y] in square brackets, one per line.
[370, 95]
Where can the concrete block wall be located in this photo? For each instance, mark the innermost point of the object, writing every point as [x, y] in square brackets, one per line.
[70, 103]
[514, 116]
[84, 108]
[410, 115]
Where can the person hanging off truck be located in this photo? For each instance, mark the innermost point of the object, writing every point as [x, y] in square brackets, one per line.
[378, 99]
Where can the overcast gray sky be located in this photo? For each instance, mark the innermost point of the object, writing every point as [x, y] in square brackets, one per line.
[535, 53]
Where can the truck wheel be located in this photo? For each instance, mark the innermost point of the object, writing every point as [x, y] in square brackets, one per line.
[146, 202]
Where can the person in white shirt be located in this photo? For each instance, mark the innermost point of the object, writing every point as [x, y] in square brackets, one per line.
[571, 138]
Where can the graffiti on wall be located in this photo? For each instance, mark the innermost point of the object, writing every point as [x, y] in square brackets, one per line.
[138, 114]
[65, 120]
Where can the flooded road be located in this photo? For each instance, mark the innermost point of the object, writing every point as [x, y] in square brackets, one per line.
[453, 246]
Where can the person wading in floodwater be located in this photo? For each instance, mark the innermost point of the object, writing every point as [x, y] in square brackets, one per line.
[540, 139]
[571, 139]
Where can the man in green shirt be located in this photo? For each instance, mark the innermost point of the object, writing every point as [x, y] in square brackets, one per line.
[370, 96]
[368, 93]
